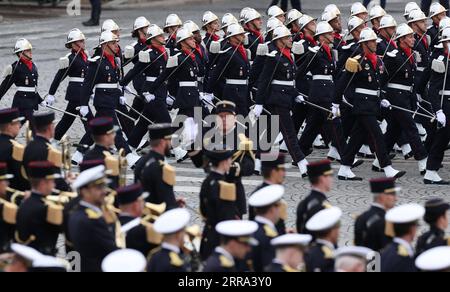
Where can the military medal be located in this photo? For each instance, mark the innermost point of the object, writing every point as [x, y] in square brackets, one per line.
[326, 71]
[27, 82]
[406, 75]
[367, 67]
[82, 73]
[192, 73]
[241, 73]
[288, 75]
[109, 78]
[370, 78]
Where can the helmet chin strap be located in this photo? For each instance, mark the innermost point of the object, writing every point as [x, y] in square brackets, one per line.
[22, 54]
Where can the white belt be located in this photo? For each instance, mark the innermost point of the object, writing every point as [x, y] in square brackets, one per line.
[188, 84]
[151, 79]
[27, 89]
[107, 86]
[323, 77]
[237, 81]
[400, 87]
[367, 91]
[420, 69]
[283, 83]
[76, 79]
[445, 92]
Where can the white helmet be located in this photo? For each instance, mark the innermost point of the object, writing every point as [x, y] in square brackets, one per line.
[110, 25]
[22, 45]
[273, 23]
[376, 12]
[367, 35]
[436, 9]
[191, 26]
[243, 13]
[228, 19]
[358, 8]
[275, 11]
[208, 17]
[328, 16]
[251, 15]
[416, 15]
[323, 27]
[444, 23]
[410, 7]
[293, 15]
[234, 29]
[354, 22]
[387, 21]
[154, 31]
[281, 32]
[183, 34]
[74, 35]
[140, 22]
[173, 20]
[333, 8]
[445, 35]
[108, 36]
[304, 20]
[403, 30]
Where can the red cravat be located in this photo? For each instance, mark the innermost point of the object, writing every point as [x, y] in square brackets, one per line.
[425, 41]
[327, 49]
[372, 57]
[408, 53]
[287, 54]
[27, 62]
[258, 34]
[82, 54]
[242, 51]
[199, 50]
[189, 53]
[161, 50]
[339, 37]
[310, 39]
[111, 59]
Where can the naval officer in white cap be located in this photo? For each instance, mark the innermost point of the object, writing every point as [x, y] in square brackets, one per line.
[325, 227]
[399, 255]
[289, 250]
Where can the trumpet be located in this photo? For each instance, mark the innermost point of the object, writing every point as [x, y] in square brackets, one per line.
[123, 164]
[155, 209]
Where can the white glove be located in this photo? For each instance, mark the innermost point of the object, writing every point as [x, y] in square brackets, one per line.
[335, 109]
[122, 100]
[170, 100]
[208, 97]
[441, 118]
[385, 103]
[84, 110]
[127, 89]
[300, 99]
[50, 100]
[258, 110]
[190, 131]
[149, 97]
[43, 103]
[92, 96]
[419, 98]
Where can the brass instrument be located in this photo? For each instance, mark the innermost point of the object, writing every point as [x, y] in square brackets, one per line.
[15, 195]
[66, 155]
[191, 246]
[28, 132]
[123, 164]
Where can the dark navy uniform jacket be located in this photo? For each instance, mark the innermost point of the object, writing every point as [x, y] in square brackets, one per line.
[398, 258]
[437, 80]
[258, 64]
[180, 68]
[6, 232]
[18, 182]
[171, 44]
[218, 262]
[422, 83]
[132, 55]
[91, 236]
[151, 64]
[277, 67]
[303, 80]
[103, 71]
[370, 229]
[384, 45]
[264, 253]
[422, 53]
[137, 238]
[74, 67]
[165, 260]
[19, 75]
[433, 32]
[310, 206]
[435, 237]
[320, 257]
[253, 42]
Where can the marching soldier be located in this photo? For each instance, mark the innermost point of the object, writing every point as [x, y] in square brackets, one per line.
[41, 149]
[320, 175]
[152, 62]
[439, 96]
[359, 10]
[290, 250]
[169, 258]
[39, 222]
[253, 25]
[386, 35]
[227, 19]
[24, 75]
[201, 54]
[8, 211]
[233, 65]
[266, 203]
[375, 14]
[277, 91]
[355, 26]
[217, 199]
[364, 85]
[91, 236]
[211, 25]
[172, 25]
[131, 54]
[370, 227]
[276, 12]
[74, 65]
[140, 234]
[156, 176]
[325, 227]
[103, 77]
[437, 13]
[399, 81]
[398, 257]
[333, 17]
[236, 240]
[11, 152]
[292, 18]
[436, 217]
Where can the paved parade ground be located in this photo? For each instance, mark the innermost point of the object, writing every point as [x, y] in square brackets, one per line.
[48, 34]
